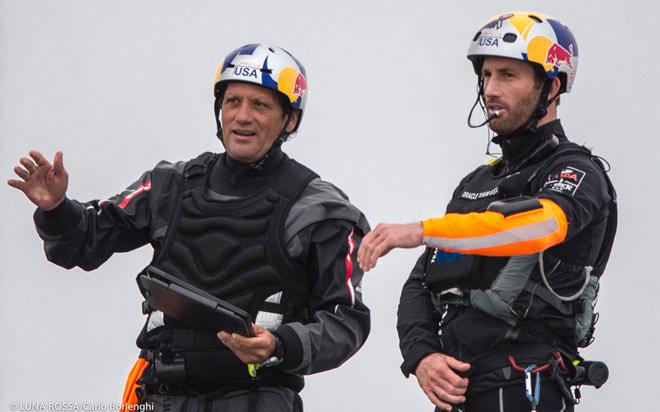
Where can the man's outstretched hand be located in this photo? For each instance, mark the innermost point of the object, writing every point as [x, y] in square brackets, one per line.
[43, 183]
[386, 237]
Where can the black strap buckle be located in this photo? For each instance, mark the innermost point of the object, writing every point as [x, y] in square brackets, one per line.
[171, 370]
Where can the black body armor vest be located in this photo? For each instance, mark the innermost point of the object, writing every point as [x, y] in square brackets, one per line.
[235, 250]
[445, 270]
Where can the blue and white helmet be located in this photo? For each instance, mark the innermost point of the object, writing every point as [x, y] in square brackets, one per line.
[267, 66]
[531, 37]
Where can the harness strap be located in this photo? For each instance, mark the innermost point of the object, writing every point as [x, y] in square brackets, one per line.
[533, 288]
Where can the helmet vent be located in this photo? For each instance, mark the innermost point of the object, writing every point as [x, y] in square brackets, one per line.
[476, 36]
[271, 50]
[535, 18]
[510, 37]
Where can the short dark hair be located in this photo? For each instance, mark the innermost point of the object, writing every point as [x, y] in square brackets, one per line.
[540, 78]
[539, 75]
[284, 102]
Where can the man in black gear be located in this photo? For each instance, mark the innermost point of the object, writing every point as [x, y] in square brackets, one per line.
[493, 312]
[250, 226]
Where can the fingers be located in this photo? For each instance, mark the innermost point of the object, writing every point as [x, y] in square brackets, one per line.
[385, 237]
[457, 365]
[449, 389]
[435, 376]
[440, 397]
[370, 248]
[16, 184]
[223, 336]
[28, 164]
[39, 158]
[366, 240]
[250, 350]
[435, 400]
[22, 173]
[58, 161]
[31, 166]
[446, 393]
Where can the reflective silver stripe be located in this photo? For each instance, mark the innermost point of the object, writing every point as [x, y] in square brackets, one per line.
[517, 234]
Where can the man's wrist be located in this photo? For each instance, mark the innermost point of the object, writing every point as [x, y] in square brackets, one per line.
[277, 357]
[60, 220]
[279, 348]
[420, 232]
[55, 205]
[292, 349]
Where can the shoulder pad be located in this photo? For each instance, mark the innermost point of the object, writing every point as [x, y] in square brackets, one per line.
[321, 201]
[199, 164]
[165, 166]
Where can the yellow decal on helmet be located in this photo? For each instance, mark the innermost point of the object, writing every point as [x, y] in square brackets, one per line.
[218, 72]
[524, 23]
[289, 83]
[537, 51]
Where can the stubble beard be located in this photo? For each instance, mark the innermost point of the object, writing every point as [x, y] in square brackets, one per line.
[519, 114]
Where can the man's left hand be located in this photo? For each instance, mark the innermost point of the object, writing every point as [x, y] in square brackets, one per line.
[254, 349]
[386, 237]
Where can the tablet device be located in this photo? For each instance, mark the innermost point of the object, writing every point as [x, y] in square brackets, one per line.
[191, 305]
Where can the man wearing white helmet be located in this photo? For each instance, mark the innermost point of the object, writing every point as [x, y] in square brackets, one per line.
[250, 226]
[496, 307]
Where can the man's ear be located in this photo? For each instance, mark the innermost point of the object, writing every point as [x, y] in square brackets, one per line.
[554, 89]
[293, 121]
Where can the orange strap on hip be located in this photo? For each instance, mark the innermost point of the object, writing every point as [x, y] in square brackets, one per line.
[130, 397]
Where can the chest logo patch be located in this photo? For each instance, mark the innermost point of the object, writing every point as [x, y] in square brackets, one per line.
[567, 180]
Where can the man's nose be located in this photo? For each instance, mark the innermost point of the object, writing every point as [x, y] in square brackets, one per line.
[243, 113]
[491, 88]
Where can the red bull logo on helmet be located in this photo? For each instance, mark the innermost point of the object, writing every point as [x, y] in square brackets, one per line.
[300, 85]
[293, 84]
[557, 55]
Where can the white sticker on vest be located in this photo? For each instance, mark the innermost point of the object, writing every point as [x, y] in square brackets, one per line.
[567, 180]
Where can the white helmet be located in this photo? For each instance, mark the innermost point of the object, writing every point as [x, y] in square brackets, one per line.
[531, 37]
[267, 66]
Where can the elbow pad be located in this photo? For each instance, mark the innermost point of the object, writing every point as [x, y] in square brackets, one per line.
[515, 205]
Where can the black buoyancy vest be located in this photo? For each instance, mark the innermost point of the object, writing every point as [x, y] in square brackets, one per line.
[235, 250]
[446, 270]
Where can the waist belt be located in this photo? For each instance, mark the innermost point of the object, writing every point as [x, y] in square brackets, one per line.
[497, 359]
[207, 372]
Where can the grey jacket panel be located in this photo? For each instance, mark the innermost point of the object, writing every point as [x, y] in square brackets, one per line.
[321, 201]
[331, 339]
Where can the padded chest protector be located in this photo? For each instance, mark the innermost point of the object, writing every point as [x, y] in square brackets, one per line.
[235, 249]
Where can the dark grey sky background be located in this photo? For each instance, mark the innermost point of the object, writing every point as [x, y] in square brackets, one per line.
[119, 85]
